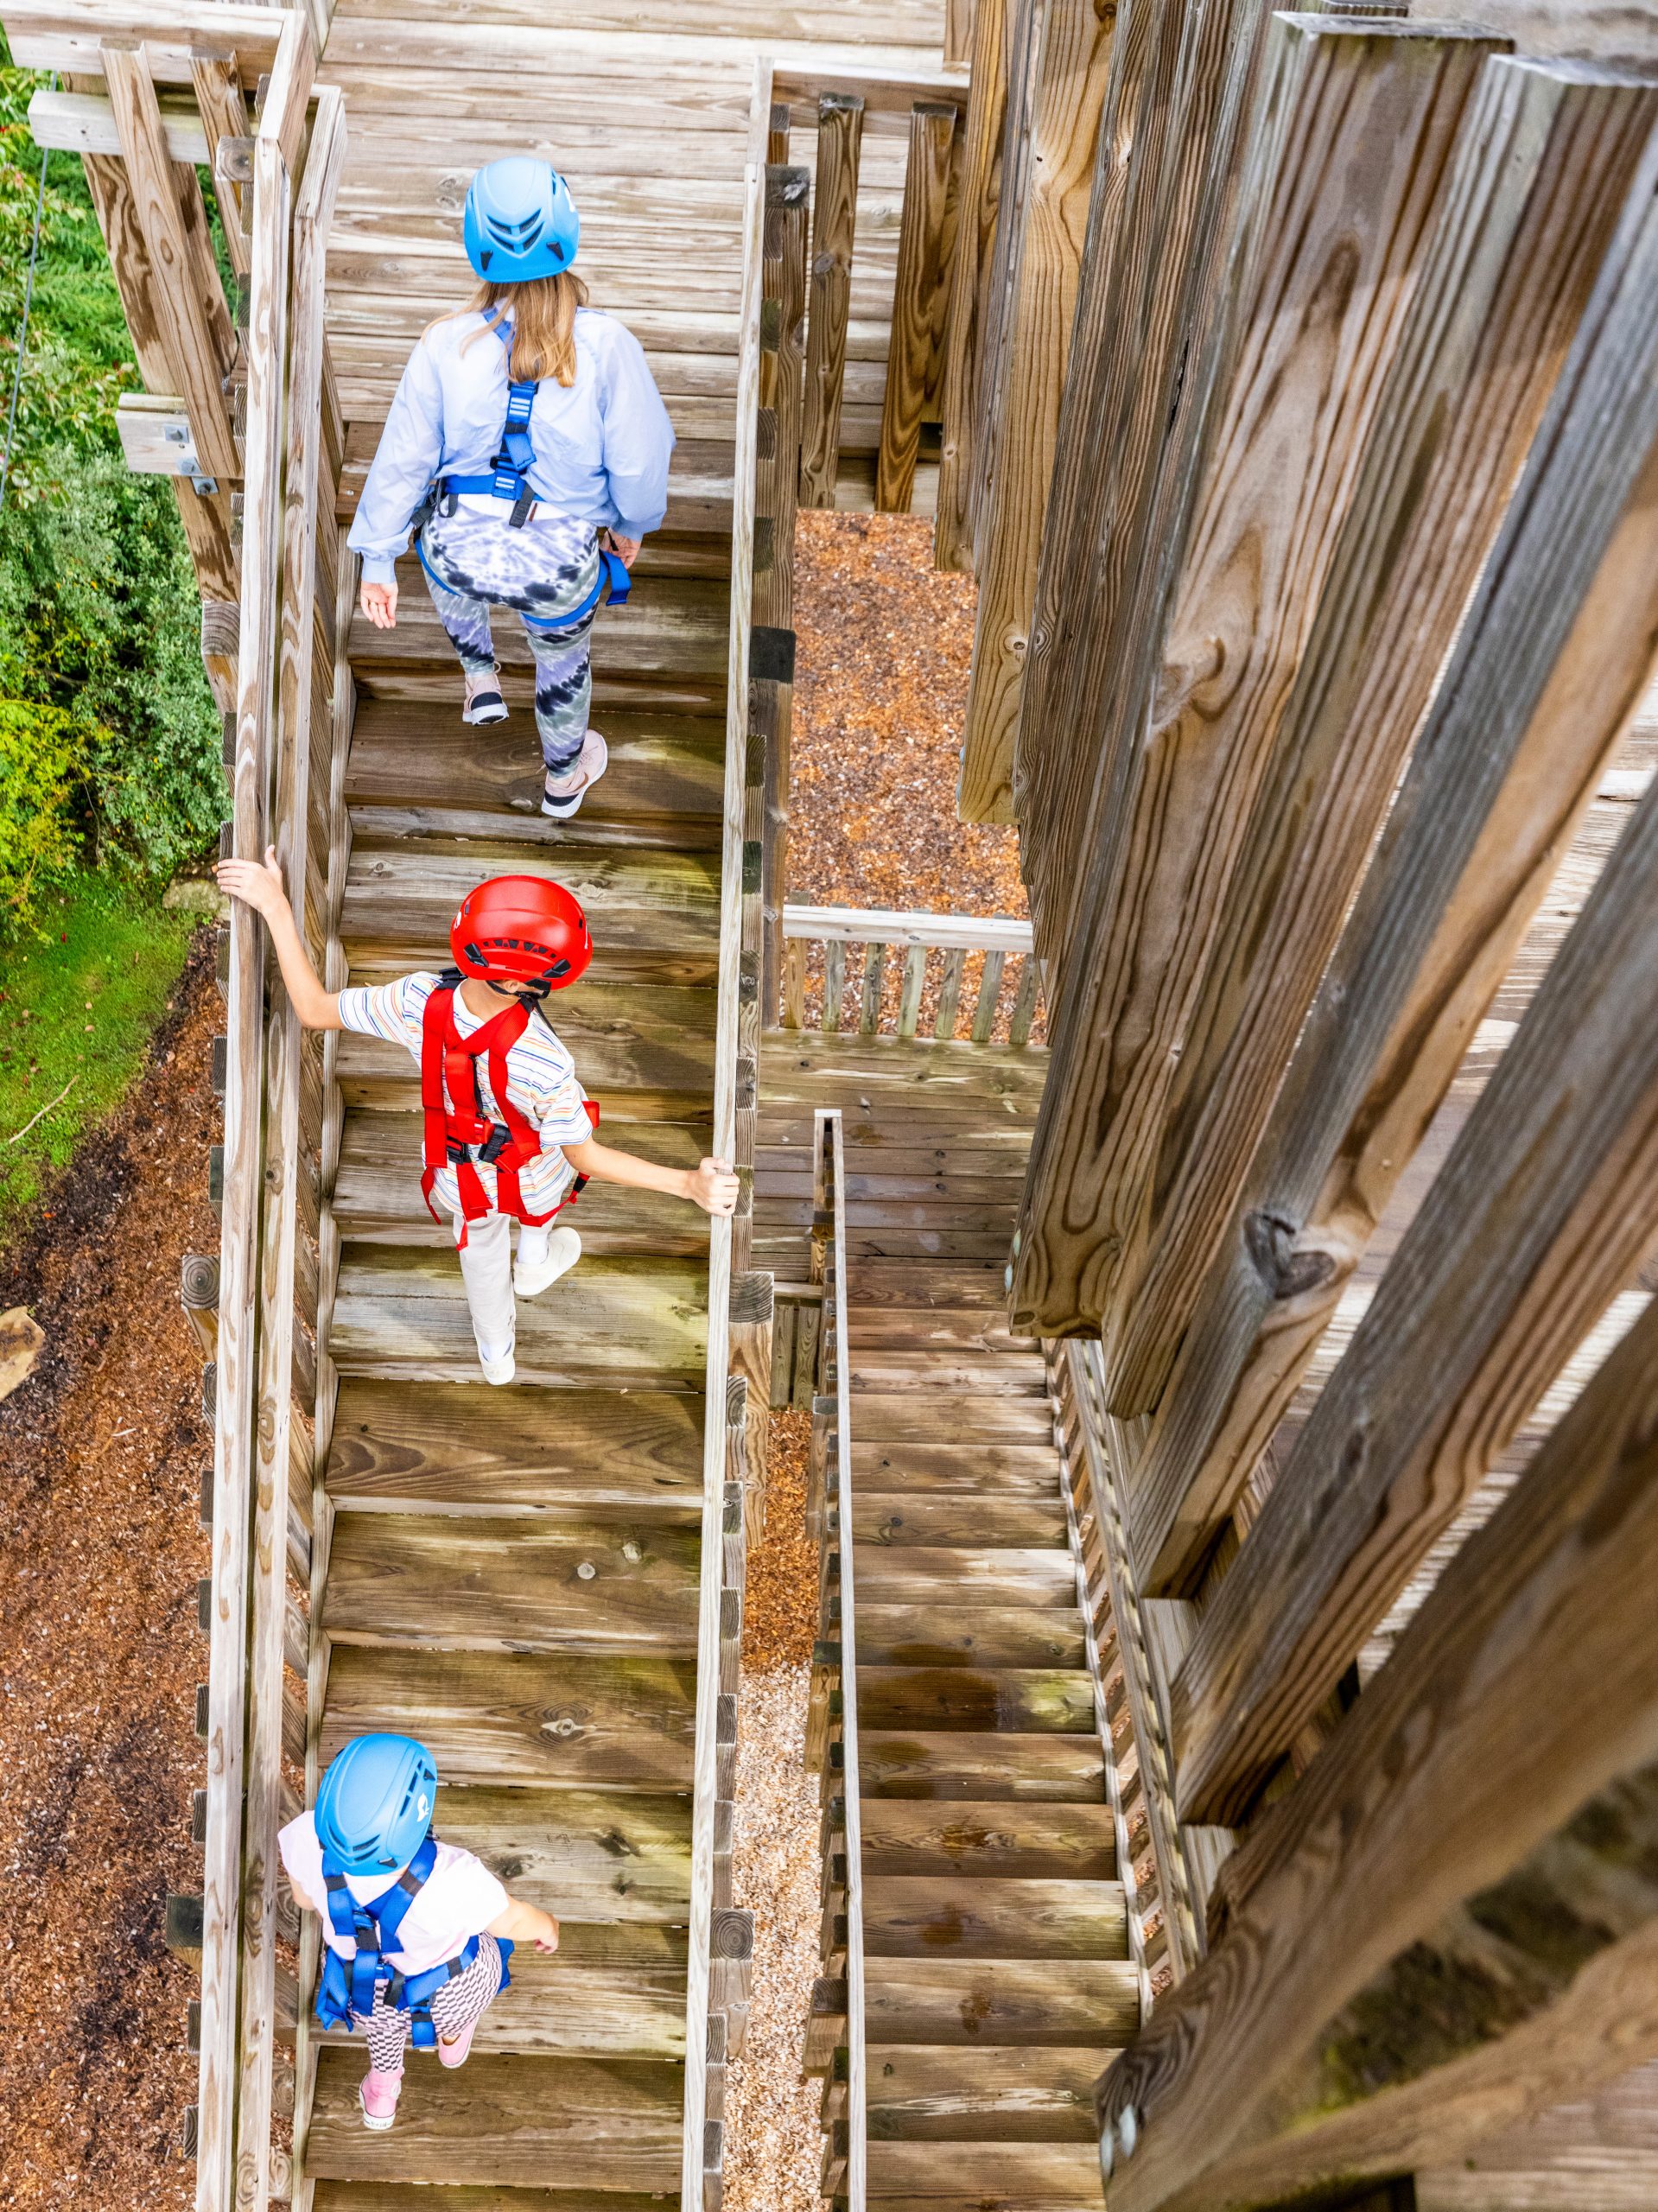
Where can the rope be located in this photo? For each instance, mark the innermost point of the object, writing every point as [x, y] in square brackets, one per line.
[23, 331]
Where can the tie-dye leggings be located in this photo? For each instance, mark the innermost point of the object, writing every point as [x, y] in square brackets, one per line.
[472, 561]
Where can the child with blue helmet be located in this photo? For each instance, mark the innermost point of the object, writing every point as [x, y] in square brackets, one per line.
[528, 446]
[417, 1933]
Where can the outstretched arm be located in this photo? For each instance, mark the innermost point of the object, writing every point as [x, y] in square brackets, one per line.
[526, 1923]
[261, 886]
[710, 1184]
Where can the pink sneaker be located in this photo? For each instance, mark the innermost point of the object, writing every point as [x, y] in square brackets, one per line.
[378, 2096]
[454, 2053]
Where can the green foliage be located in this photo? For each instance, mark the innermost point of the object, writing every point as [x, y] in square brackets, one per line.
[81, 996]
[109, 740]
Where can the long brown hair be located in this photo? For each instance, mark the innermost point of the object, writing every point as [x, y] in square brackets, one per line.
[543, 313]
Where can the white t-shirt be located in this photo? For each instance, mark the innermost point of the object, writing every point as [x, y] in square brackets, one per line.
[460, 1899]
[541, 1082]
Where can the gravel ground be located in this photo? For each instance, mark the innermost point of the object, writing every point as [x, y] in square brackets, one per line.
[101, 1454]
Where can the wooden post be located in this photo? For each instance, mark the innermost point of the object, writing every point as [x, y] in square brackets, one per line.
[921, 295]
[959, 23]
[979, 200]
[840, 135]
[1045, 250]
[771, 709]
[186, 298]
[223, 115]
[1354, 162]
[782, 395]
[198, 1296]
[1451, 1923]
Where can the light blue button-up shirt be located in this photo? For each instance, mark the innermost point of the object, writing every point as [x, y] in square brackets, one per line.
[601, 445]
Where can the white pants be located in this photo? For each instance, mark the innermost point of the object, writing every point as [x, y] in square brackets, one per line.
[486, 1271]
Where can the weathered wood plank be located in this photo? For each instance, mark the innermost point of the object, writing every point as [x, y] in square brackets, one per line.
[835, 208]
[1349, 171]
[921, 296]
[1001, 2000]
[998, 1840]
[980, 1916]
[980, 194]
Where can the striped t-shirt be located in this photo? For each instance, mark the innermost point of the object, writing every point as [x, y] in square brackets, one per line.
[541, 1082]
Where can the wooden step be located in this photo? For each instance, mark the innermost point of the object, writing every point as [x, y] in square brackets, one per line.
[925, 1575]
[608, 1992]
[997, 1840]
[420, 770]
[882, 1417]
[920, 2093]
[966, 1328]
[617, 1855]
[974, 2176]
[512, 1717]
[996, 1469]
[988, 2001]
[559, 1584]
[400, 2196]
[513, 2121]
[449, 1448]
[648, 1047]
[974, 1916]
[400, 1312]
[1023, 1701]
[654, 915]
[942, 1635]
[876, 1369]
[968, 1765]
[377, 1191]
[888, 1517]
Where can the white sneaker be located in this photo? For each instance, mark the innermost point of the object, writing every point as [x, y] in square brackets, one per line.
[562, 795]
[499, 1369]
[544, 1255]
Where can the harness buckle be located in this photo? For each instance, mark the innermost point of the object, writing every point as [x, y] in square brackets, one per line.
[495, 1143]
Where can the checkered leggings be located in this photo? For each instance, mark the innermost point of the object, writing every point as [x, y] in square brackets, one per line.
[465, 1998]
[472, 561]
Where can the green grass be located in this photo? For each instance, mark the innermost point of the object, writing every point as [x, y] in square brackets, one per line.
[77, 1009]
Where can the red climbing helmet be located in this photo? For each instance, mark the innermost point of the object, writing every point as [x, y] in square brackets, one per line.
[521, 928]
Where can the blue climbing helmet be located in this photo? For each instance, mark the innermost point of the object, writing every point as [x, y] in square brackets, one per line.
[375, 1805]
[520, 222]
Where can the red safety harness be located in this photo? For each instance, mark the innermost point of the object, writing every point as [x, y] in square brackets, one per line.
[454, 1109]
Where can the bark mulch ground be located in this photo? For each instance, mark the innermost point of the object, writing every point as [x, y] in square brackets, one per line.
[101, 1455]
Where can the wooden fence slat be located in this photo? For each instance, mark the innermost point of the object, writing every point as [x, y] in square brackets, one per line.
[223, 115]
[909, 1005]
[1421, 1978]
[1024, 1012]
[1347, 174]
[1045, 252]
[794, 984]
[979, 198]
[835, 209]
[1544, 1209]
[834, 984]
[782, 394]
[1550, 661]
[950, 992]
[875, 967]
[920, 298]
[959, 24]
[984, 1011]
[1542, 171]
[186, 295]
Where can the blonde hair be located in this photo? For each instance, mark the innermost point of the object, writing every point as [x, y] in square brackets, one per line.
[543, 313]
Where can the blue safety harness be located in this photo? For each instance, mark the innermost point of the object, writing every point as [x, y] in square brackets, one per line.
[348, 1984]
[509, 479]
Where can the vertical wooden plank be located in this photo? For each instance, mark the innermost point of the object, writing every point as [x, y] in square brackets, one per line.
[233, 1438]
[984, 1011]
[979, 200]
[223, 115]
[950, 992]
[752, 1308]
[781, 394]
[183, 307]
[840, 135]
[1069, 95]
[909, 1005]
[1024, 1012]
[834, 984]
[1350, 169]
[771, 717]
[959, 26]
[794, 983]
[874, 969]
[288, 93]
[777, 132]
[921, 295]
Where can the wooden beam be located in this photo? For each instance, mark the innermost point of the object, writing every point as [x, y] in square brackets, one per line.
[83, 123]
[233, 1435]
[1543, 172]
[978, 202]
[189, 299]
[282, 110]
[959, 24]
[61, 34]
[920, 298]
[782, 396]
[1046, 241]
[1347, 174]
[223, 115]
[1393, 1982]
[1551, 660]
[835, 209]
[1599, 2153]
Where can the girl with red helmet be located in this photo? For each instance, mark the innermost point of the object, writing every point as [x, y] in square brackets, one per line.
[509, 1130]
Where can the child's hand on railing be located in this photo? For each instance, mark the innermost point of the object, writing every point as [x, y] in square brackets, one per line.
[713, 1185]
[259, 883]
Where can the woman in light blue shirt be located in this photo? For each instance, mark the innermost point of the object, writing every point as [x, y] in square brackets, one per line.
[528, 447]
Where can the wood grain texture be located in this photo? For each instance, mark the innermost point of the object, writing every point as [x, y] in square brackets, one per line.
[1543, 168]
[834, 207]
[920, 299]
[1350, 170]
[1063, 121]
[1526, 1694]
[979, 203]
[1565, 646]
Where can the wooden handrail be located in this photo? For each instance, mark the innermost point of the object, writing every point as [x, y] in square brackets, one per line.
[862, 925]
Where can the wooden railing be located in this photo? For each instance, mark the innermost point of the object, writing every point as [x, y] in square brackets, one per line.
[875, 972]
[835, 2044]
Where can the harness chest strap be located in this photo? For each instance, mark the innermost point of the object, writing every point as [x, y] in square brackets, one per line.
[348, 1986]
